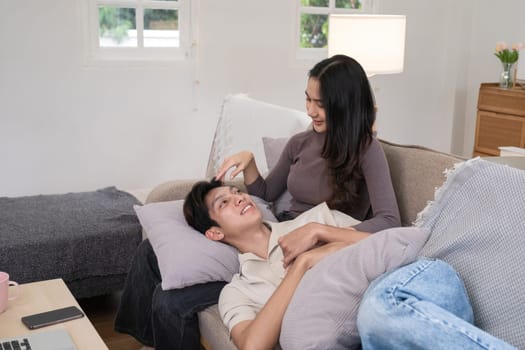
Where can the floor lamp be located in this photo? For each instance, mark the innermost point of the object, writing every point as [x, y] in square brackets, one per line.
[377, 42]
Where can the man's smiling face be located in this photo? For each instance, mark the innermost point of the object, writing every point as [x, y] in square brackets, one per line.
[233, 210]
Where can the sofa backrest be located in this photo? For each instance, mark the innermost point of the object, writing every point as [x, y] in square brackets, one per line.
[416, 173]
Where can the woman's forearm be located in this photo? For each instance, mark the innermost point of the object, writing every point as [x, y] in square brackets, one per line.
[326, 233]
[250, 173]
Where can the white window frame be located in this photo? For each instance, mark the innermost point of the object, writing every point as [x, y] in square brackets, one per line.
[96, 53]
[316, 54]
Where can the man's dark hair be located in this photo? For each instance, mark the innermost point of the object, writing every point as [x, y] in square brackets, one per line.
[195, 210]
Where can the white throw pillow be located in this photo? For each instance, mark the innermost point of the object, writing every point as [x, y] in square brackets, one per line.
[240, 113]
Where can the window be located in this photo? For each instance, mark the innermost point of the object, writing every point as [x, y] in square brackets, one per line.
[312, 23]
[138, 29]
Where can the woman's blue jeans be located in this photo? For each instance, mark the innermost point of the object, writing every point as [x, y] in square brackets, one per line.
[166, 320]
[422, 305]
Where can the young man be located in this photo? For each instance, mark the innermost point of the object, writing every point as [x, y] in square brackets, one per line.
[253, 304]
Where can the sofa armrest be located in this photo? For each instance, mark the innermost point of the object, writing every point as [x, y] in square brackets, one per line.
[170, 190]
[178, 189]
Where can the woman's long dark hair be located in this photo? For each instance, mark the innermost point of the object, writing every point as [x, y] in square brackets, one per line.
[350, 115]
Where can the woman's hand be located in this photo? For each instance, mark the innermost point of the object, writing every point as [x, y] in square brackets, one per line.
[242, 161]
[298, 241]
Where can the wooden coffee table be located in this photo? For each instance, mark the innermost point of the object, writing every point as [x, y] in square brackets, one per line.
[44, 296]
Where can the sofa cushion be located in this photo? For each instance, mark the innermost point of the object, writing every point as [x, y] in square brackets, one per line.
[213, 330]
[323, 311]
[478, 227]
[185, 256]
[273, 148]
[416, 172]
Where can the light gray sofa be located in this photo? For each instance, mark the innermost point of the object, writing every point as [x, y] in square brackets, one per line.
[416, 173]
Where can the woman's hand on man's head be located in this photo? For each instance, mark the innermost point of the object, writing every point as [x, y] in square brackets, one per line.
[240, 161]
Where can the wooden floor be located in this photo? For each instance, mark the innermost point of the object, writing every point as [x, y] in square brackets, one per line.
[101, 312]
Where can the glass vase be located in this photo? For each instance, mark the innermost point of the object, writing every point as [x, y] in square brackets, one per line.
[507, 76]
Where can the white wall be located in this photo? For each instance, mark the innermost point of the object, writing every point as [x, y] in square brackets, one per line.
[66, 126]
[504, 22]
[417, 105]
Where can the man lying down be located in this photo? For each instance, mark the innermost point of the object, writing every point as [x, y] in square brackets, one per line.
[254, 304]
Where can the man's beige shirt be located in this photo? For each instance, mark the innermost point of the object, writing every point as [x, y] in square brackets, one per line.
[258, 278]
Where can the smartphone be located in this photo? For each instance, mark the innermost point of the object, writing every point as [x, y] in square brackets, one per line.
[52, 317]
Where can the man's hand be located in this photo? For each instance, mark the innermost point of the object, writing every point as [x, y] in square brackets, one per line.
[298, 241]
[314, 234]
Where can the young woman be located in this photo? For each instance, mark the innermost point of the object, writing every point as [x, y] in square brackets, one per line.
[339, 161]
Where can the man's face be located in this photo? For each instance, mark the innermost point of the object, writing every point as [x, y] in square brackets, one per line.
[233, 210]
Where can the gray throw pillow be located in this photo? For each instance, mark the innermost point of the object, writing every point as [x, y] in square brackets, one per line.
[273, 147]
[323, 311]
[185, 256]
[478, 226]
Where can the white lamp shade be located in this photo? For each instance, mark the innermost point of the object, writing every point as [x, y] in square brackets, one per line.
[377, 42]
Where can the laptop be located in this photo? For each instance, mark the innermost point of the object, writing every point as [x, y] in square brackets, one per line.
[56, 339]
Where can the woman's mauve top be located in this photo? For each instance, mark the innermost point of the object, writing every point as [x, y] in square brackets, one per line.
[306, 175]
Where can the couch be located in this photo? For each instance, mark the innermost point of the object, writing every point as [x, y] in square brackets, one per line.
[416, 173]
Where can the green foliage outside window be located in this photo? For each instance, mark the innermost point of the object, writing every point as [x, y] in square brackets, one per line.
[160, 19]
[114, 22]
[348, 4]
[314, 3]
[340, 4]
[314, 27]
[314, 31]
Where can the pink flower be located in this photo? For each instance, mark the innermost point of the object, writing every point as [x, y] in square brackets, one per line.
[517, 46]
[507, 55]
[500, 46]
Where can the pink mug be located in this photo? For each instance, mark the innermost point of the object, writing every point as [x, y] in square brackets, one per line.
[4, 290]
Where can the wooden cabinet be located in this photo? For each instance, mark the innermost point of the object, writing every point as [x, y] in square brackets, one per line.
[500, 119]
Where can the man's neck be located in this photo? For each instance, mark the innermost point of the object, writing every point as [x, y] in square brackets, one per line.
[255, 242]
